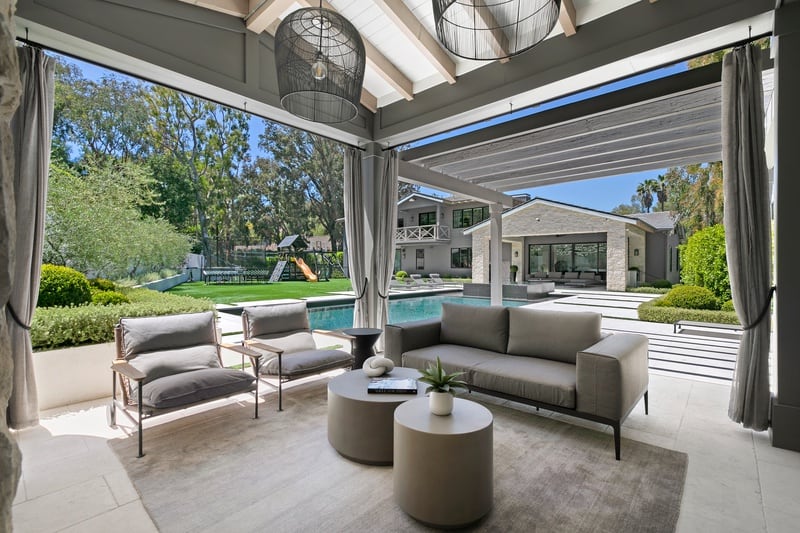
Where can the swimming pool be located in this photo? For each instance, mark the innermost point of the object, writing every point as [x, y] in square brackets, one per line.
[400, 310]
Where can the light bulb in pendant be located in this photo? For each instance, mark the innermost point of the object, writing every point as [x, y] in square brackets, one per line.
[318, 68]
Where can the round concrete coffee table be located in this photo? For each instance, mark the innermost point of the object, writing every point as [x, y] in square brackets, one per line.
[360, 424]
[443, 465]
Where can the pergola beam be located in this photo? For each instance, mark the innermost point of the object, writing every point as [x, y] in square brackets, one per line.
[237, 8]
[418, 175]
[486, 21]
[567, 18]
[412, 28]
[261, 14]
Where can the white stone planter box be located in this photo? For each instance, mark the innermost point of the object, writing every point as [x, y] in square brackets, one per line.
[71, 375]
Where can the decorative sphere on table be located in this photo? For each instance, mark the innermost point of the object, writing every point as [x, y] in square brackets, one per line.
[377, 366]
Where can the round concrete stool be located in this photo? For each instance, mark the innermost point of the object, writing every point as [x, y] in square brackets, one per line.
[443, 465]
[359, 423]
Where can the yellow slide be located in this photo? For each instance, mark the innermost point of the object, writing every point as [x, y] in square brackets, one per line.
[310, 276]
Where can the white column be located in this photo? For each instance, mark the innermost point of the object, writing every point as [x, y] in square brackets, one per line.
[496, 253]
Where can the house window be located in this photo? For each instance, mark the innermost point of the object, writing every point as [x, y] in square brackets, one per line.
[562, 257]
[400, 222]
[464, 218]
[420, 258]
[589, 256]
[538, 258]
[670, 258]
[427, 219]
[460, 257]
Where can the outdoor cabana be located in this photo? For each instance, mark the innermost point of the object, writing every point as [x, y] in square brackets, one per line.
[224, 51]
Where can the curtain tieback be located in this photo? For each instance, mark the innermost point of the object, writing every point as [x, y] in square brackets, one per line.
[16, 318]
[764, 310]
[364, 290]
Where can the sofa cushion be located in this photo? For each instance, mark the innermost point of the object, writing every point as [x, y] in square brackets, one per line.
[556, 335]
[479, 327]
[148, 334]
[161, 363]
[289, 342]
[307, 362]
[190, 387]
[455, 358]
[540, 380]
[272, 319]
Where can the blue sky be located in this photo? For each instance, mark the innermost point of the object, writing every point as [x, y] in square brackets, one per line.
[601, 193]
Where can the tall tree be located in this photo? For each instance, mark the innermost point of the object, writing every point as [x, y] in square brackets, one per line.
[645, 193]
[209, 141]
[661, 191]
[314, 166]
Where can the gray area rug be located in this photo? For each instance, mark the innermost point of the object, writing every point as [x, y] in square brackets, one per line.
[223, 471]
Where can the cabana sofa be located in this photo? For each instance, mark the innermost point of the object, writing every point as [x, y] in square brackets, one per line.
[551, 359]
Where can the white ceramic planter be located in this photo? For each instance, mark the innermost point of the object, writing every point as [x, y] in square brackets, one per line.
[441, 403]
[71, 375]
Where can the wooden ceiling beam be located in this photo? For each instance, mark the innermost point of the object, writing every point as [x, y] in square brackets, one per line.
[261, 14]
[237, 8]
[413, 29]
[487, 22]
[567, 18]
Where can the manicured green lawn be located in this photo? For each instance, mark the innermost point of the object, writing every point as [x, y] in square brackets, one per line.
[229, 293]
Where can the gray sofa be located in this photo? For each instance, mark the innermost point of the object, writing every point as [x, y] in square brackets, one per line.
[557, 360]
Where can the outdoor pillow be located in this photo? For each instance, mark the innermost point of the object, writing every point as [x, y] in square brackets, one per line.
[556, 335]
[470, 325]
[273, 319]
[190, 387]
[147, 334]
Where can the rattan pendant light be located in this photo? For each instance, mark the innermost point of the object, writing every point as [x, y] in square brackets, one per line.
[493, 29]
[320, 61]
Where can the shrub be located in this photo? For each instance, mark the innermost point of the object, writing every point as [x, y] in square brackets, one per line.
[63, 286]
[149, 277]
[102, 284]
[651, 312]
[56, 327]
[704, 263]
[109, 298]
[689, 297]
[401, 275]
[662, 284]
[647, 290]
[728, 306]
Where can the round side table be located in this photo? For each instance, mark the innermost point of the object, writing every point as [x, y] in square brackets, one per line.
[360, 424]
[363, 341]
[443, 465]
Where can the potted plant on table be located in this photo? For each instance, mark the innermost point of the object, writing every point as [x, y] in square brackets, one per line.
[442, 387]
[514, 269]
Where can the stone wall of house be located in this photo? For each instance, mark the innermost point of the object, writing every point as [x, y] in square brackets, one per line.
[9, 98]
[541, 219]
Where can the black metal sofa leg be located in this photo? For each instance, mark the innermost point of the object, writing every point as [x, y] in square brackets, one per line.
[617, 439]
[141, 452]
[646, 410]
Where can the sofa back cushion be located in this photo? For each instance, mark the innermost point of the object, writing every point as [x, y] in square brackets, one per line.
[555, 335]
[159, 333]
[273, 320]
[470, 325]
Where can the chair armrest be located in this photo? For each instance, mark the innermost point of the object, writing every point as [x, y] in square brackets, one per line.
[407, 336]
[334, 333]
[262, 346]
[612, 375]
[241, 349]
[123, 367]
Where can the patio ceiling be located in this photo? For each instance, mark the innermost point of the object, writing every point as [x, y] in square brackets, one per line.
[223, 50]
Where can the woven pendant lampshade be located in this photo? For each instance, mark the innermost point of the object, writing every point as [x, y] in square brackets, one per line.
[320, 61]
[493, 29]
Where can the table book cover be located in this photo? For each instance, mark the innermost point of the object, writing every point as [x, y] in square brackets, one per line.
[392, 385]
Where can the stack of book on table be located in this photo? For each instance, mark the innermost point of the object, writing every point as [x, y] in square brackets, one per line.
[392, 386]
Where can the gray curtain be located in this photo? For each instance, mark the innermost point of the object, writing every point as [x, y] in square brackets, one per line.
[386, 221]
[354, 233]
[747, 231]
[32, 128]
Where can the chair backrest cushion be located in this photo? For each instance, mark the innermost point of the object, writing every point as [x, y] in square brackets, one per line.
[556, 335]
[470, 325]
[162, 363]
[156, 333]
[272, 320]
[290, 341]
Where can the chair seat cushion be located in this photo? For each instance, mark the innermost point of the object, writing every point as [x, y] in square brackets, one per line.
[190, 387]
[307, 362]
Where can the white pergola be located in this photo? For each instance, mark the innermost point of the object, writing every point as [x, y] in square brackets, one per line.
[223, 50]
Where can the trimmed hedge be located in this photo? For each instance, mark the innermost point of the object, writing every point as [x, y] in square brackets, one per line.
[647, 290]
[728, 306]
[56, 327]
[109, 298]
[651, 312]
[62, 286]
[689, 297]
[102, 284]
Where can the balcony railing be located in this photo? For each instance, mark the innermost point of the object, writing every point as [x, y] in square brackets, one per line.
[420, 234]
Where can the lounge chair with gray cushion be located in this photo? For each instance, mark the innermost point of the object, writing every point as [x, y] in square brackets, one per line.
[284, 333]
[171, 362]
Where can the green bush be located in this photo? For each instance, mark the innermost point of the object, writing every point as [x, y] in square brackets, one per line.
[728, 306]
[647, 290]
[651, 312]
[108, 298]
[63, 286]
[102, 284]
[401, 275]
[55, 327]
[689, 297]
[704, 263]
[661, 284]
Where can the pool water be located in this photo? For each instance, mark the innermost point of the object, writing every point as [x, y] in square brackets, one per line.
[400, 310]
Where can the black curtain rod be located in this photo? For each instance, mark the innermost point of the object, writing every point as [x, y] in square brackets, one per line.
[749, 39]
[28, 42]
